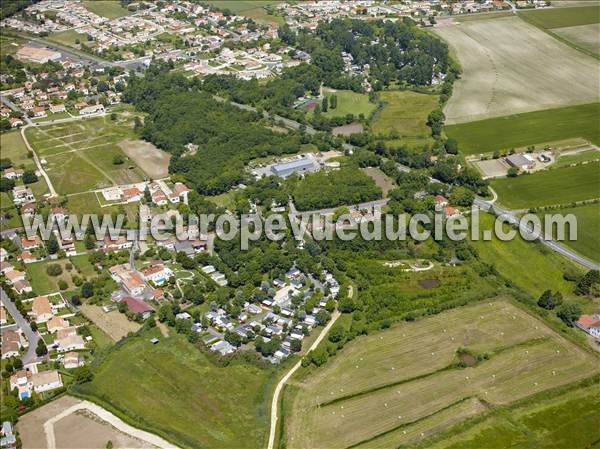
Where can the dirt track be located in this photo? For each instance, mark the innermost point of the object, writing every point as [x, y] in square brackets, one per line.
[510, 66]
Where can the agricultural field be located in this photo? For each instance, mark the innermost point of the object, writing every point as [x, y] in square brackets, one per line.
[397, 386]
[404, 117]
[532, 128]
[349, 103]
[501, 78]
[585, 37]
[508, 257]
[569, 420]
[549, 187]
[588, 229]
[106, 8]
[577, 158]
[172, 389]
[80, 155]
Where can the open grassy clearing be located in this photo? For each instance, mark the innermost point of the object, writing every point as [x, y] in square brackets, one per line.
[241, 6]
[14, 148]
[577, 158]
[173, 390]
[349, 103]
[566, 17]
[42, 283]
[545, 188]
[106, 8]
[70, 38]
[569, 420]
[588, 229]
[114, 324]
[586, 37]
[382, 383]
[533, 128]
[383, 181]
[79, 155]
[501, 78]
[404, 117]
[509, 258]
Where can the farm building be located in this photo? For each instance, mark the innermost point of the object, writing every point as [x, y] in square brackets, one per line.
[521, 161]
[589, 324]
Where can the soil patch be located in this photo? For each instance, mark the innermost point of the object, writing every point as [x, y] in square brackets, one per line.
[429, 283]
[153, 161]
[347, 130]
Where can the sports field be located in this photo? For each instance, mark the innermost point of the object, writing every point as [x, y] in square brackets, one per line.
[106, 8]
[532, 128]
[397, 386]
[404, 117]
[173, 390]
[350, 103]
[501, 78]
[588, 229]
[80, 155]
[546, 188]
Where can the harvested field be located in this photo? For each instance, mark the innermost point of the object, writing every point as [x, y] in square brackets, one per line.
[114, 324]
[153, 161]
[379, 389]
[384, 182]
[584, 36]
[346, 130]
[509, 66]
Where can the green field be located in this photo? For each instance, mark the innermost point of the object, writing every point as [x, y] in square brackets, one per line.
[588, 229]
[508, 258]
[393, 387]
[106, 8]
[562, 17]
[404, 117]
[350, 103]
[241, 6]
[42, 283]
[14, 148]
[68, 38]
[545, 188]
[567, 421]
[529, 128]
[80, 154]
[173, 390]
[577, 158]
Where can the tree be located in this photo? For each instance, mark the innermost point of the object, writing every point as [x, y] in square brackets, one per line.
[75, 300]
[337, 334]
[512, 172]
[333, 101]
[569, 312]
[83, 375]
[451, 145]
[41, 348]
[89, 242]
[549, 301]
[588, 283]
[324, 104]
[296, 345]
[6, 184]
[52, 245]
[29, 177]
[233, 338]
[118, 159]
[54, 269]
[87, 290]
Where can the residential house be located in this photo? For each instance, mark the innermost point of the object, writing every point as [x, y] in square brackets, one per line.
[13, 173]
[118, 244]
[70, 343]
[589, 324]
[56, 323]
[8, 440]
[11, 344]
[158, 273]
[32, 243]
[131, 281]
[22, 286]
[73, 360]
[137, 306]
[13, 276]
[26, 257]
[25, 382]
[22, 195]
[41, 309]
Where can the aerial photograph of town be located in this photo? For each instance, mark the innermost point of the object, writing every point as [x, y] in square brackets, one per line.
[300, 224]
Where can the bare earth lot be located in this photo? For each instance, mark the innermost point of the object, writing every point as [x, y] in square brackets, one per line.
[114, 324]
[510, 66]
[153, 161]
[77, 430]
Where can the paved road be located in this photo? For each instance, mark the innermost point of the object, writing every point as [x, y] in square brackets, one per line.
[32, 337]
[4, 99]
[555, 246]
[290, 373]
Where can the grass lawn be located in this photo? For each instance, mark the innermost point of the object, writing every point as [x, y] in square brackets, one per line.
[241, 6]
[69, 38]
[374, 391]
[42, 283]
[562, 17]
[172, 389]
[404, 117]
[588, 229]
[529, 128]
[545, 188]
[349, 103]
[508, 258]
[14, 148]
[106, 8]
[569, 420]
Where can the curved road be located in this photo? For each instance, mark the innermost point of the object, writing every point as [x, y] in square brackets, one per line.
[290, 373]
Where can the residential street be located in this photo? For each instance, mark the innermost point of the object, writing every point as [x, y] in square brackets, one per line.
[32, 337]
